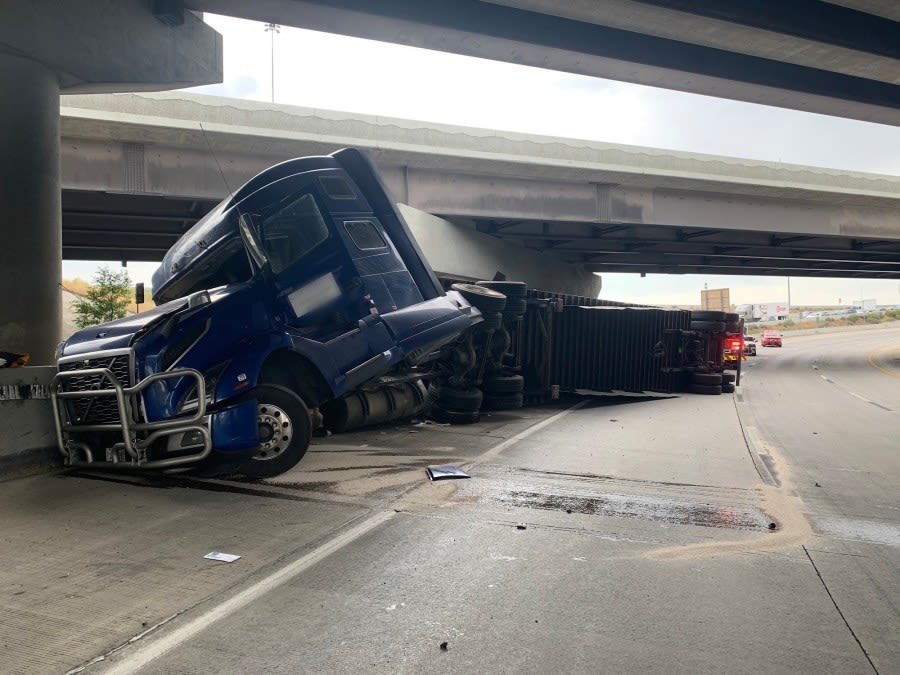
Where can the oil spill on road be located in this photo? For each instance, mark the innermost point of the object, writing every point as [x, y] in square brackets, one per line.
[643, 507]
[619, 497]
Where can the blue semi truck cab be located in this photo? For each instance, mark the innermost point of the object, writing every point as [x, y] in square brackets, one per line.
[302, 287]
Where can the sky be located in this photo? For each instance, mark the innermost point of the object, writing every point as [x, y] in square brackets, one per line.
[334, 72]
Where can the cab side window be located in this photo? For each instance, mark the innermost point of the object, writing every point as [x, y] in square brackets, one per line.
[292, 229]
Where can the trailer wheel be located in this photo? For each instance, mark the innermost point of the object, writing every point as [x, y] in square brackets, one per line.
[727, 387]
[710, 389]
[450, 398]
[709, 326]
[454, 416]
[728, 378]
[707, 378]
[485, 299]
[516, 305]
[504, 401]
[492, 320]
[707, 315]
[284, 432]
[503, 384]
[511, 289]
[511, 317]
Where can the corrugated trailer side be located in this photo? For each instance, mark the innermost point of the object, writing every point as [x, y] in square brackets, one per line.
[583, 344]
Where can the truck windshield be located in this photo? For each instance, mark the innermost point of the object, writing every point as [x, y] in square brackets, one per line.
[291, 229]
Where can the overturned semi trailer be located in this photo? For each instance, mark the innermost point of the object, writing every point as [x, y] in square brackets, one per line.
[576, 344]
[539, 345]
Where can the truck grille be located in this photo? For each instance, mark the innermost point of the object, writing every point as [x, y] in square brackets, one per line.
[96, 409]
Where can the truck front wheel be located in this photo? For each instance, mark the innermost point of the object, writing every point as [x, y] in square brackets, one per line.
[284, 432]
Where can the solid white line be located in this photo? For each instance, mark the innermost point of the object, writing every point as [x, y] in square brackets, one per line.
[155, 648]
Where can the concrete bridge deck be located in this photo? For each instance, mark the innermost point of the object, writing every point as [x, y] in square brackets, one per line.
[138, 169]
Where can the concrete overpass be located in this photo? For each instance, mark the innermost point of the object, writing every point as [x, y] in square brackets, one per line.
[138, 169]
[838, 57]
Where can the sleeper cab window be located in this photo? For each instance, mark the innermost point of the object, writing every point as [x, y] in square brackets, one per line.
[364, 234]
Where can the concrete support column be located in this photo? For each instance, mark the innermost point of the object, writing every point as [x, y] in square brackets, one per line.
[30, 212]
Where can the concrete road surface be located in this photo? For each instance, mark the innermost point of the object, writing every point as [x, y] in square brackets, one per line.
[593, 536]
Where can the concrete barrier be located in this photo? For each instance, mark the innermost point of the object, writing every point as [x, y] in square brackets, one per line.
[27, 434]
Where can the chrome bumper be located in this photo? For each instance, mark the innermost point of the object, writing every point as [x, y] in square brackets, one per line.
[136, 436]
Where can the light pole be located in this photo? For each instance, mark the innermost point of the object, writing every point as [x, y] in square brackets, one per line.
[273, 28]
[789, 297]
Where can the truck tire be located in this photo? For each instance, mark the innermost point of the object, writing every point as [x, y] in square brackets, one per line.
[710, 389]
[728, 378]
[492, 320]
[732, 317]
[504, 401]
[439, 414]
[733, 326]
[451, 398]
[511, 289]
[504, 384]
[511, 317]
[284, 430]
[708, 326]
[707, 378]
[485, 299]
[516, 306]
[727, 387]
[707, 316]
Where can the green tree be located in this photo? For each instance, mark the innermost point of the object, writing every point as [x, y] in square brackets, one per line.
[105, 300]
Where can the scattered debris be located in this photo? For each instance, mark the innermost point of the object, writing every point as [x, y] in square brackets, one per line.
[444, 646]
[817, 485]
[223, 557]
[445, 472]
[521, 526]
[568, 510]
[772, 526]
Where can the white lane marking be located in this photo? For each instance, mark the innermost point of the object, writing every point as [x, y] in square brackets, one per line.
[153, 650]
[826, 378]
[156, 648]
[865, 400]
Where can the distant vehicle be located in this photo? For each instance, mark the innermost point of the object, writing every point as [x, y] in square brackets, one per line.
[771, 339]
[764, 311]
[749, 345]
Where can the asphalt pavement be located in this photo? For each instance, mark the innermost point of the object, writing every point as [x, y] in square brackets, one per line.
[680, 534]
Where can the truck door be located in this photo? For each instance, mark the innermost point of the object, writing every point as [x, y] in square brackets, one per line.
[318, 290]
[380, 268]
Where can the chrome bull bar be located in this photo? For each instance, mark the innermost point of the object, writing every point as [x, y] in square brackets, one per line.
[134, 447]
